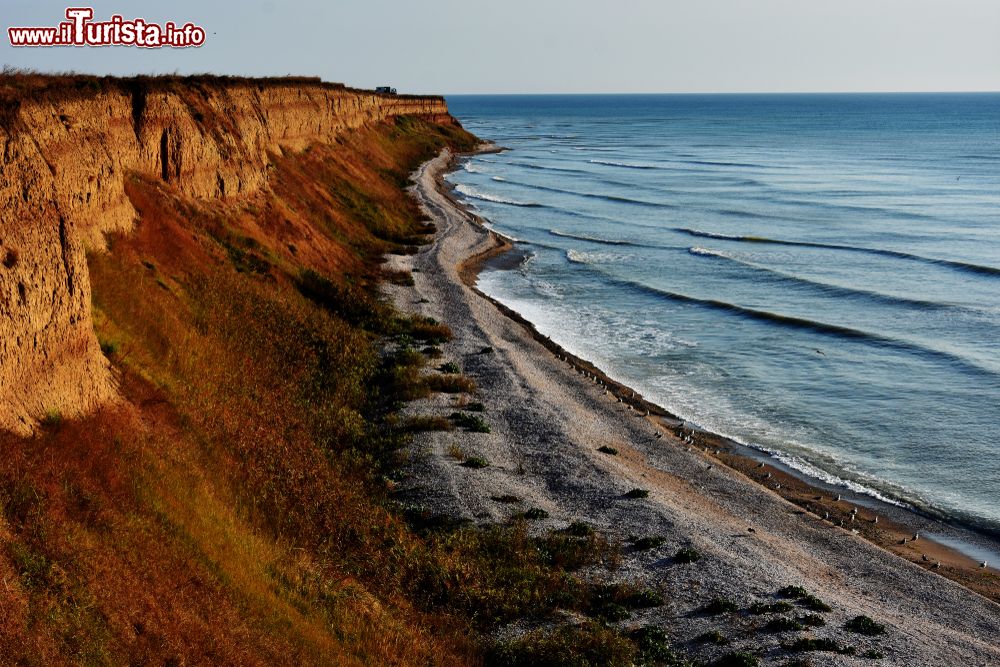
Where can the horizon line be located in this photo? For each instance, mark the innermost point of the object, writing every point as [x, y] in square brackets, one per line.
[740, 92]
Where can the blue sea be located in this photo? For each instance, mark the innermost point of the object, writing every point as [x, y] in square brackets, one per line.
[815, 276]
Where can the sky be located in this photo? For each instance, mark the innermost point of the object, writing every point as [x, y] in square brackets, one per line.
[557, 46]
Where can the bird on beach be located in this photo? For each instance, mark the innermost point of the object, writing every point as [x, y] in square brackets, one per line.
[659, 435]
[777, 487]
[983, 564]
[924, 558]
[767, 476]
[826, 516]
[838, 497]
[875, 520]
[916, 536]
[760, 465]
[937, 565]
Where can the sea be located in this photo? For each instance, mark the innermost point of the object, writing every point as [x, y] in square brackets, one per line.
[816, 277]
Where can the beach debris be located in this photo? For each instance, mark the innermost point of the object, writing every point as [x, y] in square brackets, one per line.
[709, 466]
[659, 435]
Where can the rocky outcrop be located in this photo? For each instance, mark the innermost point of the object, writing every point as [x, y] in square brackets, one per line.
[62, 188]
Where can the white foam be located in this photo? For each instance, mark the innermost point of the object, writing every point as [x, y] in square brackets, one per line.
[476, 194]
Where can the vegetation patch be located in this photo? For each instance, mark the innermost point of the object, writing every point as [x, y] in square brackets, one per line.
[783, 624]
[637, 493]
[469, 422]
[605, 449]
[427, 423]
[865, 625]
[737, 659]
[476, 462]
[687, 555]
[648, 542]
[535, 514]
[450, 384]
[718, 606]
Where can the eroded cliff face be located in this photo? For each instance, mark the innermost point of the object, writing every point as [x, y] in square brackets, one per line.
[62, 188]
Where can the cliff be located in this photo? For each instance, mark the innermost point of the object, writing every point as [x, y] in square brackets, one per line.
[66, 156]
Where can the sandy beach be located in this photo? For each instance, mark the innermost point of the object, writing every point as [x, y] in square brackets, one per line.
[548, 415]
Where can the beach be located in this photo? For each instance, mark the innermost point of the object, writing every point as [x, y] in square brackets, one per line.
[548, 414]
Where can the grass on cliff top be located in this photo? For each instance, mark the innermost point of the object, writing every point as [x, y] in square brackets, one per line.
[18, 85]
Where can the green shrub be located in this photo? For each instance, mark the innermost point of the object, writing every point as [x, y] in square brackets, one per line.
[793, 592]
[718, 606]
[812, 620]
[604, 449]
[506, 499]
[476, 462]
[470, 422]
[865, 626]
[737, 659]
[644, 599]
[782, 624]
[648, 542]
[579, 529]
[687, 555]
[612, 612]
[637, 493]
[450, 367]
[475, 407]
[536, 513]
[813, 603]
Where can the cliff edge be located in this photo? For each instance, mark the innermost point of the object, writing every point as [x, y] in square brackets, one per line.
[67, 150]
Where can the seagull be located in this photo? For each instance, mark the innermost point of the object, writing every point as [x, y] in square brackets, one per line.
[983, 564]
[760, 465]
[916, 536]
[767, 476]
[937, 565]
[876, 520]
[838, 497]
[826, 515]
[924, 558]
[777, 487]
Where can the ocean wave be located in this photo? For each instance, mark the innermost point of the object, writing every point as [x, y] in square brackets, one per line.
[482, 196]
[594, 195]
[471, 168]
[543, 167]
[499, 179]
[594, 239]
[576, 257]
[624, 165]
[884, 252]
[714, 163]
[806, 324]
[824, 287]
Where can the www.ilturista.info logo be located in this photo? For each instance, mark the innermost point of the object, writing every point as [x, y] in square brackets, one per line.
[81, 30]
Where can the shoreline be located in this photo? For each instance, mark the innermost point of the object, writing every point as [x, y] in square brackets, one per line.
[959, 549]
[552, 417]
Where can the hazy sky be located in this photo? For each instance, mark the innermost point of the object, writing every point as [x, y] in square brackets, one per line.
[504, 46]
